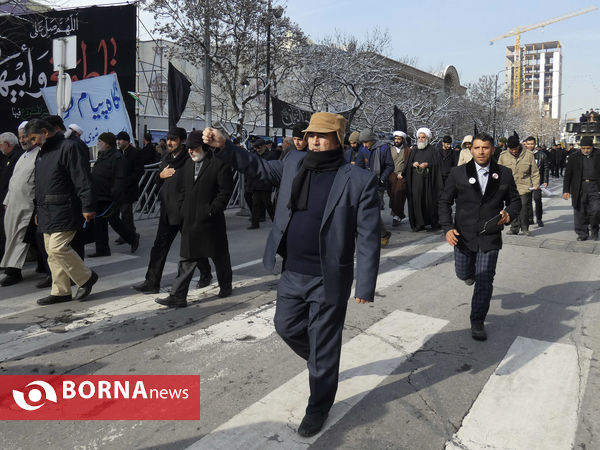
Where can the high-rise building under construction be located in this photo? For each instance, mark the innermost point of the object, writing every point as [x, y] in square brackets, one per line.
[540, 76]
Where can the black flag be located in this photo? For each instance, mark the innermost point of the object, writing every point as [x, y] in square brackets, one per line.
[179, 91]
[475, 132]
[399, 120]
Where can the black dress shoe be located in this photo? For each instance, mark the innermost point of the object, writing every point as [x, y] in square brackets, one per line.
[469, 281]
[119, 241]
[52, 299]
[478, 332]
[136, 243]
[395, 223]
[86, 288]
[582, 238]
[540, 223]
[98, 254]
[9, 280]
[512, 231]
[146, 287]
[172, 302]
[225, 292]
[45, 283]
[204, 280]
[311, 424]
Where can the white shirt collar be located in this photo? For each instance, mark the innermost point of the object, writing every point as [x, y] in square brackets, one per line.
[483, 167]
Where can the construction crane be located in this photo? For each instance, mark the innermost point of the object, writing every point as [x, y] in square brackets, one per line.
[517, 65]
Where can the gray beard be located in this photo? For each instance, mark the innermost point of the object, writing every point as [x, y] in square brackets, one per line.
[422, 145]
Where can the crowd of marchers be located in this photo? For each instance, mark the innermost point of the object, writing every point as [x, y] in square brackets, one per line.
[323, 191]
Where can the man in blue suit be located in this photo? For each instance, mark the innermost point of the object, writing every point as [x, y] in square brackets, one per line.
[326, 209]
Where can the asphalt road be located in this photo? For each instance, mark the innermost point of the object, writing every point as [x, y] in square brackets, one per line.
[411, 376]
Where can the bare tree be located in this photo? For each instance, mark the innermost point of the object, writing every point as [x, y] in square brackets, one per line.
[344, 73]
[237, 49]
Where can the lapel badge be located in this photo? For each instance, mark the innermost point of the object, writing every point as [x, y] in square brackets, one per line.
[495, 176]
[472, 180]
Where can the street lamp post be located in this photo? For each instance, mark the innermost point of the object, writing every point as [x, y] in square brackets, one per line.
[495, 102]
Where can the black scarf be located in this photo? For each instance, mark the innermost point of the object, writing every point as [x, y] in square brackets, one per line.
[326, 161]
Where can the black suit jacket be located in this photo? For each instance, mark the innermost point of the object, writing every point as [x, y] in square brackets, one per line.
[204, 233]
[573, 175]
[171, 190]
[476, 217]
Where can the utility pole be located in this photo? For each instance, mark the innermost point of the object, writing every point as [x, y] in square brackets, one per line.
[207, 89]
[268, 74]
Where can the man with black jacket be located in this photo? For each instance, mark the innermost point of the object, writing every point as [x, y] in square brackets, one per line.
[375, 156]
[109, 183]
[207, 187]
[486, 199]
[63, 193]
[134, 170]
[148, 152]
[582, 185]
[261, 190]
[447, 157]
[541, 161]
[169, 224]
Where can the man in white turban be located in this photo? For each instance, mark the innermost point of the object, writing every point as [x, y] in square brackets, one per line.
[396, 183]
[424, 183]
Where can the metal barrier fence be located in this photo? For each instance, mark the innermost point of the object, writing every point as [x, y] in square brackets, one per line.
[148, 206]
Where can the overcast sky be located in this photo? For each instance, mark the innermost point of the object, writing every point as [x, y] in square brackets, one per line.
[437, 33]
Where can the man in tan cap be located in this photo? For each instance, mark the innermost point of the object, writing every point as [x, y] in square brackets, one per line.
[323, 203]
[352, 152]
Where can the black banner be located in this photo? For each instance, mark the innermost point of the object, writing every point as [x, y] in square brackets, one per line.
[399, 120]
[179, 88]
[105, 44]
[286, 115]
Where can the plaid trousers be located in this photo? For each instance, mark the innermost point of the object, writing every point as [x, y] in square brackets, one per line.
[480, 266]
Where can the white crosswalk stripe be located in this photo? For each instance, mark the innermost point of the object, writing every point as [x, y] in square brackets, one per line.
[271, 422]
[531, 401]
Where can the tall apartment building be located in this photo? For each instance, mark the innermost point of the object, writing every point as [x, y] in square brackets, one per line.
[541, 74]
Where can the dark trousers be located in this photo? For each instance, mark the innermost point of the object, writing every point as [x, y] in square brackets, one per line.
[522, 222]
[2, 233]
[43, 256]
[165, 235]
[480, 266]
[187, 267]
[396, 189]
[261, 200]
[101, 228]
[589, 212]
[248, 198]
[312, 326]
[126, 212]
[382, 230]
[537, 200]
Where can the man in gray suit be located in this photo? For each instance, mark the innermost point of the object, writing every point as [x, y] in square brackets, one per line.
[325, 209]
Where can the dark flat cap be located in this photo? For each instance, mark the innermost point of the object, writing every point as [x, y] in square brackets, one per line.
[177, 133]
